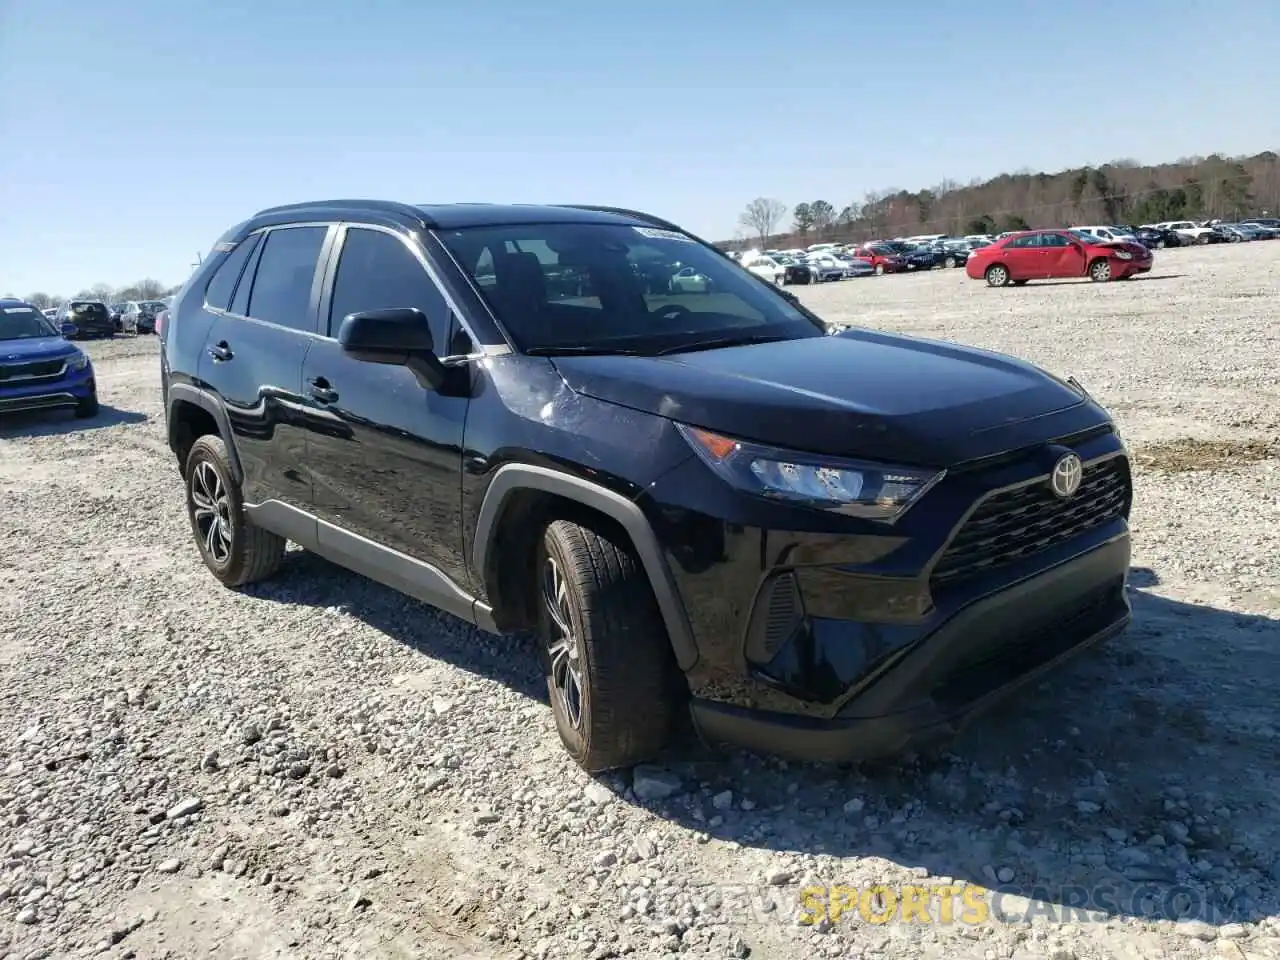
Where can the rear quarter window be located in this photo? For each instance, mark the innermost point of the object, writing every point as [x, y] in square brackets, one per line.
[222, 285]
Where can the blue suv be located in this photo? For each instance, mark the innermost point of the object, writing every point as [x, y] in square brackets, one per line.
[39, 369]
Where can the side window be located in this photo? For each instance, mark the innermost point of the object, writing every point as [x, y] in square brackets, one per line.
[286, 270]
[223, 284]
[376, 271]
[1053, 240]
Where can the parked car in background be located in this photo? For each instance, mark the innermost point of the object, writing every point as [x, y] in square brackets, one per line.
[690, 280]
[39, 369]
[1155, 238]
[86, 318]
[1242, 232]
[855, 267]
[766, 268]
[883, 257]
[1192, 232]
[50, 313]
[1271, 222]
[143, 314]
[1266, 230]
[1057, 254]
[116, 309]
[1110, 233]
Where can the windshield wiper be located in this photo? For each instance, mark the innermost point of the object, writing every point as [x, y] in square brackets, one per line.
[717, 342]
[584, 349]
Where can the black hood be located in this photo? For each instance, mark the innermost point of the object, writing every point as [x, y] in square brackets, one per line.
[858, 394]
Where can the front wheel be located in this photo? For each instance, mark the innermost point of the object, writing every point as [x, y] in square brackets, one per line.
[879, 269]
[88, 407]
[950, 263]
[616, 692]
[1100, 271]
[997, 275]
[235, 550]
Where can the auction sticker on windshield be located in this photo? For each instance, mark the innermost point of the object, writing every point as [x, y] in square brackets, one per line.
[654, 234]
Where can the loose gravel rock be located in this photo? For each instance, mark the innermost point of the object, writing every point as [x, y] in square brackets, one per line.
[319, 767]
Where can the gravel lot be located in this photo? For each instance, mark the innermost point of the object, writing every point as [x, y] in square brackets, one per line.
[318, 767]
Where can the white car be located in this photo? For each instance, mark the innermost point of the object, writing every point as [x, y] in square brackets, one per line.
[766, 268]
[689, 280]
[1109, 233]
[1188, 230]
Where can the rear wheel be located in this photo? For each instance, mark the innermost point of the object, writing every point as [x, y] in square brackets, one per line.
[616, 692]
[997, 275]
[235, 550]
[950, 262]
[1100, 270]
[879, 269]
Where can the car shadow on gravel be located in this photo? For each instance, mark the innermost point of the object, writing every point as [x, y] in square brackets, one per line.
[1129, 784]
[55, 423]
[1085, 281]
[311, 580]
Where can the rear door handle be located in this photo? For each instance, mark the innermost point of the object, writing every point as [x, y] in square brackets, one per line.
[321, 390]
[221, 351]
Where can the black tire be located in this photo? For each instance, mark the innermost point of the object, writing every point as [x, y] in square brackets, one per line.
[248, 553]
[1100, 270]
[951, 263]
[88, 407]
[1160, 244]
[631, 696]
[997, 275]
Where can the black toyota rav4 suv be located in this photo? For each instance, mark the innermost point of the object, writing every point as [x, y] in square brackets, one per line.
[824, 546]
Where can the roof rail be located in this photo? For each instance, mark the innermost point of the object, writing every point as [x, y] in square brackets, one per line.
[624, 212]
[372, 206]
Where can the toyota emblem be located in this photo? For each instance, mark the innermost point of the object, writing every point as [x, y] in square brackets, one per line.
[1065, 479]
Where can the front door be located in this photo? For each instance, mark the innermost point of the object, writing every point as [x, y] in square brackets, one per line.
[384, 452]
[1063, 257]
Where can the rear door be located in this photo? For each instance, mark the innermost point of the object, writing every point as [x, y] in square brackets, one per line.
[384, 453]
[1023, 257]
[253, 360]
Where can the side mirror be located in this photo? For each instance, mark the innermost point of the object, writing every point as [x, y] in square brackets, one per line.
[399, 336]
[386, 336]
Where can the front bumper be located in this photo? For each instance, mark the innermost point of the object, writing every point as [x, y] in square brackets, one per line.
[939, 684]
[65, 391]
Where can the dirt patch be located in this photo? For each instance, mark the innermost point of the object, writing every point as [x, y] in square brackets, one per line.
[1186, 454]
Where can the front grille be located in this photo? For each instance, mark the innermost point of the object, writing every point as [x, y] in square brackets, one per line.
[1015, 524]
[32, 370]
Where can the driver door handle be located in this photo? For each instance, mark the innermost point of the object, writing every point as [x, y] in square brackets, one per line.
[221, 351]
[321, 390]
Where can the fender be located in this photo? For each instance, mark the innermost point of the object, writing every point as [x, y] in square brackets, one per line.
[519, 476]
[204, 400]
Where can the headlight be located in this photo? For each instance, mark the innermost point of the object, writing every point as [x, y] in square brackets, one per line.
[873, 491]
[1123, 255]
[78, 361]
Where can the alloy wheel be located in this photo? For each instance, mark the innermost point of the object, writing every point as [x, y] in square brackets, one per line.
[564, 646]
[212, 511]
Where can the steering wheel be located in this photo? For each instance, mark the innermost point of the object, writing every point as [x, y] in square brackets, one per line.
[672, 311]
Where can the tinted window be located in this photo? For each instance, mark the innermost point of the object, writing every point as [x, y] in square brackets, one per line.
[376, 271]
[282, 283]
[223, 284]
[599, 286]
[1054, 240]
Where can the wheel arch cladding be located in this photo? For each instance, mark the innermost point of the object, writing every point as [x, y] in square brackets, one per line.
[512, 480]
[192, 413]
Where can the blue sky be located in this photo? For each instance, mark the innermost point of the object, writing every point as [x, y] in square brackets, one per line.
[135, 131]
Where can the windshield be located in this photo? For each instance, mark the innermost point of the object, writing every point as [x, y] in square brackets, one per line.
[24, 323]
[587, 287]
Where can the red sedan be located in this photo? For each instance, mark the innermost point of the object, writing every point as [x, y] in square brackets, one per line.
[884, 259]
[1056, 254]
